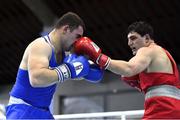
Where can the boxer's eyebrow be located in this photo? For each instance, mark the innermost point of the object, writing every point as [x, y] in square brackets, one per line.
[132, 37]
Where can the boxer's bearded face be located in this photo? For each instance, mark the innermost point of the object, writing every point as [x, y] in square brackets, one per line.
[135, 41]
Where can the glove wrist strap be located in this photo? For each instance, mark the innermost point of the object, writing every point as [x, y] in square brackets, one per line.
[103, 61]
[107, 63]
[63, 73]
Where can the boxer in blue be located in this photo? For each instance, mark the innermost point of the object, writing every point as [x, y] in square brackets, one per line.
[43, 65]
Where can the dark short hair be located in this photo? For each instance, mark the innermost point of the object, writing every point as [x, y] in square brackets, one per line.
[71, 19]
[141, 28]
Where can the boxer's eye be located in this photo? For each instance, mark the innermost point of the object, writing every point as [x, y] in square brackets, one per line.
[133, 38]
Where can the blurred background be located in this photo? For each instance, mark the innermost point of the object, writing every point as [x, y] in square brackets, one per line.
[22, 21]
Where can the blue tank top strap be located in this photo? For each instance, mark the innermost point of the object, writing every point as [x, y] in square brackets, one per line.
[52, 62]
[47, 39]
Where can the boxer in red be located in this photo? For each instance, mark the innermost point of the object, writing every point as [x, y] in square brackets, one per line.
[152, 70]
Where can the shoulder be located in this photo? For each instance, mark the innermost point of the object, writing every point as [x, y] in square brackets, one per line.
[146, 51]
[40, 45]
[152, 51]
[39, 42]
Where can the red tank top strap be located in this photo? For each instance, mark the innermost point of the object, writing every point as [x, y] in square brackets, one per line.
[175, 71]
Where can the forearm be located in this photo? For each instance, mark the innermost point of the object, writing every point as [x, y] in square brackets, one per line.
[43, 77]
[120, 67]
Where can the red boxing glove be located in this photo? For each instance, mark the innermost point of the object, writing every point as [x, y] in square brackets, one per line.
[86, 46]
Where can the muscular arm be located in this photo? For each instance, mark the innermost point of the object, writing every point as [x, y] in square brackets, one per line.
[134, 66]
[38, 65]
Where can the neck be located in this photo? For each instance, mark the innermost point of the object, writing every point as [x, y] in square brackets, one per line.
[56, 41]
[151, 43]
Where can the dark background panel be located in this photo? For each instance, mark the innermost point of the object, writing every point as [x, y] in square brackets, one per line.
[106, 22]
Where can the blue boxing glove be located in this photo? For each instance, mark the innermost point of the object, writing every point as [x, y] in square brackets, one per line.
[73, 67]
[95, 74]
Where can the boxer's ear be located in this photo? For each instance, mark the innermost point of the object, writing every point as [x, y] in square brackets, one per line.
[65, 29]
[147, 38]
